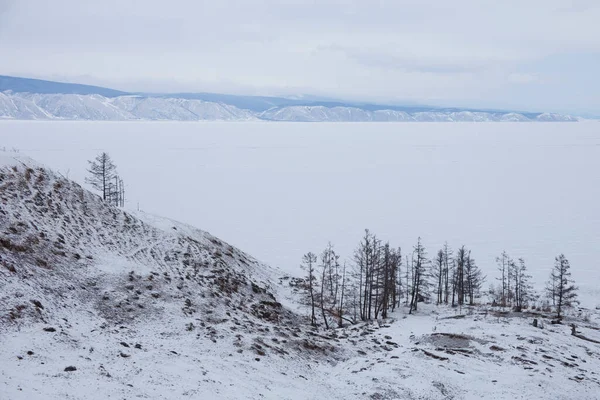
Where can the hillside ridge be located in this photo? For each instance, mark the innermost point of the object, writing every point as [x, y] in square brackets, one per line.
[34, 99]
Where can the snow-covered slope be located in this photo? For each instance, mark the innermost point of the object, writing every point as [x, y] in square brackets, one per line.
[136, 107]
[99, 303]
[82, 283]
[53, 230]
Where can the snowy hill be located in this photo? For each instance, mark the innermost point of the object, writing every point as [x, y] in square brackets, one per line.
[136, 107]
[122, 108]
[83, 283]
[101, 303]
[354, 114]
[34, 99]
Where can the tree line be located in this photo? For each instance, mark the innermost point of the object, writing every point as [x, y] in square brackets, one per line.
[380, 278]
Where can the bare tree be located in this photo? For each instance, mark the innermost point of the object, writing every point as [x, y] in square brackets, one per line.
[447, 271]
[503, 265]
[323, 297]
[397, 275]
[510, 290]
[564, 292]
[473, 279]
[102, 171]
[454, 280]
[408, 280]
[341, 304]
[309, 261]
[438, 273]
[116, 192]
[461, 261]
[388, 266]
[419, 276]
[364, 258]
[523, 289]
[330, 282]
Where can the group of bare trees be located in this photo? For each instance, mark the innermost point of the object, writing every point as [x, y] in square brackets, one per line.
[515, 288]
[375, 278]
[379, 278]
[458, 278]
[324, 286]
[336, 294]
[104, 178]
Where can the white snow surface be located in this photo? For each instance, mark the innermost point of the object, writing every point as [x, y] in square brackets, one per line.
[120, 290]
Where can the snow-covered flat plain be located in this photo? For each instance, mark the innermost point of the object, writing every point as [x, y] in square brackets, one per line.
[278, 190]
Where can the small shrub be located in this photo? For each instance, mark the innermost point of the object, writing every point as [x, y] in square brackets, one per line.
[37, 304]
[42, 263]
[17, 312]
[586, 317]
[7, 244]
[257, 289]
[9, 267]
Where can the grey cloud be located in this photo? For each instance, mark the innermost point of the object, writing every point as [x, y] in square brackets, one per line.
[421, 48]
[5, 5]
[389, 60]
[577, 6]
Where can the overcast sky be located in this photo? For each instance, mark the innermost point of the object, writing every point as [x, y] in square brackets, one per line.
[527, 54]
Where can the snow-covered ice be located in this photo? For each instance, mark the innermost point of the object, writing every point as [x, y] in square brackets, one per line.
[278, 190]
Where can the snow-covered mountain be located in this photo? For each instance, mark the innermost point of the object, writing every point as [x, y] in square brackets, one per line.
[354, 114]
[135, 107]
[34, 99]
[121, 108]
[101, 303]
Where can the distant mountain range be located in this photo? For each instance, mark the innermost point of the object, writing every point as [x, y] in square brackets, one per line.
[34, 99]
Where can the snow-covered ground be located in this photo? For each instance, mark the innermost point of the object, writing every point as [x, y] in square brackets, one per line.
[280, 190]
[480, 356]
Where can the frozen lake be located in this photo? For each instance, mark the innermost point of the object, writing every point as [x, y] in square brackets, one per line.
[278, 190]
